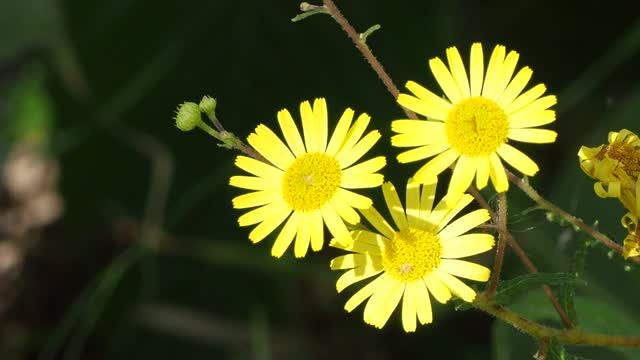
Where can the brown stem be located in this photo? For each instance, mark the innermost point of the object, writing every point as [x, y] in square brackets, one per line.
[547, 205]
[366, 52]
[566, 321]
[502, 244]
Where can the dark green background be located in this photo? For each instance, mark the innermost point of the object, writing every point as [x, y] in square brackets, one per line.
[109, 75]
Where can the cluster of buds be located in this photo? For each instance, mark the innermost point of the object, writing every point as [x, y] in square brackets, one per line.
[616, 167]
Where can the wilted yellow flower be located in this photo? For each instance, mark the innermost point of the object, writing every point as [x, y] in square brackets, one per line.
[631, 245]
[475, 123]
[306, 185]
[616, 167]
[420, 258]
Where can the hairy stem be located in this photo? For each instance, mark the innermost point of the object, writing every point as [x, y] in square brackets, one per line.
[548, 205]
[502, 244]
[366, 52]
[572, 336]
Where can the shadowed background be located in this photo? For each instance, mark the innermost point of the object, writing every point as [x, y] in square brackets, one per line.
[138, 253]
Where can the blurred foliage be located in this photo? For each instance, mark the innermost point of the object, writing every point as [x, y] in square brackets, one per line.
[148, 260]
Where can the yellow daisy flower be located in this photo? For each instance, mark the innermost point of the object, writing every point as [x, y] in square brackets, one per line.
[418, 259]
[306, 183]
[476, 121]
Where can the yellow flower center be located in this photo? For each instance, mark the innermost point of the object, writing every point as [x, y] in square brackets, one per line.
[412, 254]
[628, 155]
[310, 181]
[476, 126]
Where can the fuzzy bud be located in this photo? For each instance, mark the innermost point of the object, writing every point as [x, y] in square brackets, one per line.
[188, 116]
[208, 105]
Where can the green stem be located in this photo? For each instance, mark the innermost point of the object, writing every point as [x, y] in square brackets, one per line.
[572, 336]
[231, 141]
[549, 206]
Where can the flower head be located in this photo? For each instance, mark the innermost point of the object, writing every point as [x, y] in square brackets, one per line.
[417, 259]
[631, 244]
[474, 124]
[616, 167]
[306, 184]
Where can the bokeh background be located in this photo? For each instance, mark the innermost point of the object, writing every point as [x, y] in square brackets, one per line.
[118, 239]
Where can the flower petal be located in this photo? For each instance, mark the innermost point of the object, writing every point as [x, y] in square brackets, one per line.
[493, 72]
[378, 221]
[457, 287]
[417, 132]
[525, 99]
[357, 274]
[383, 302]
[409, 309]
[515, 87]
[497, 174]
[412, 203]
[253, 183]
[345, 211]
[537, 106]
[506, 73]
[482, 173]
[463, 174]
[336, 226]
[322, 130]
[354, 200]
[423, 303]
[317, 229]
[476, 69]
[466, 245]
[439, 106]
[465, 269]
[303, 236]
[517, 159]
[536, 136]
[532, 119]
[436, 165]
[340, 132]
[262, 213]
[267, 143]
[269, 224]
[309, 127]
[422, 107]
[290, 132]
[457, 70]
[464, 224]
[437, 288]
[422, 152]
[364, 293]
[347, 158]
[354, 134]
[364, 168]
[394, 205]
[445, 80]
[255, 198]
[286, 235]
[259, 168]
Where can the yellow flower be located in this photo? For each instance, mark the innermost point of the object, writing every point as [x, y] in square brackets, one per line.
[418, 259]
[616, 166]
[476, 121]
[306, 183]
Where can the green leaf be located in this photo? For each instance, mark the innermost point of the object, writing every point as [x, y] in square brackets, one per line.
[597, 316]
[509, 289]
[567, 292]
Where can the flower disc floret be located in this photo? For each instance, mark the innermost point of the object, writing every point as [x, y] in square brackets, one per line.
[310, 181]
[477, 126]
[411, 254]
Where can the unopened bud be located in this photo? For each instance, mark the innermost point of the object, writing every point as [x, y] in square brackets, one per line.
[208, 105]
[188, 116]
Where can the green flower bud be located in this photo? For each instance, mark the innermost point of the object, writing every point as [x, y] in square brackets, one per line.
[188, 116]
[208, 105]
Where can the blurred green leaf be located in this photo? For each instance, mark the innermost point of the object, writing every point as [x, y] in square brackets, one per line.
[29, 109]
[509, 289]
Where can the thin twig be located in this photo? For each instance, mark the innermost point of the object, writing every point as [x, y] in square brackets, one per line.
[366, 52]
[502, 244]
[528, 264]
[547, 205]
